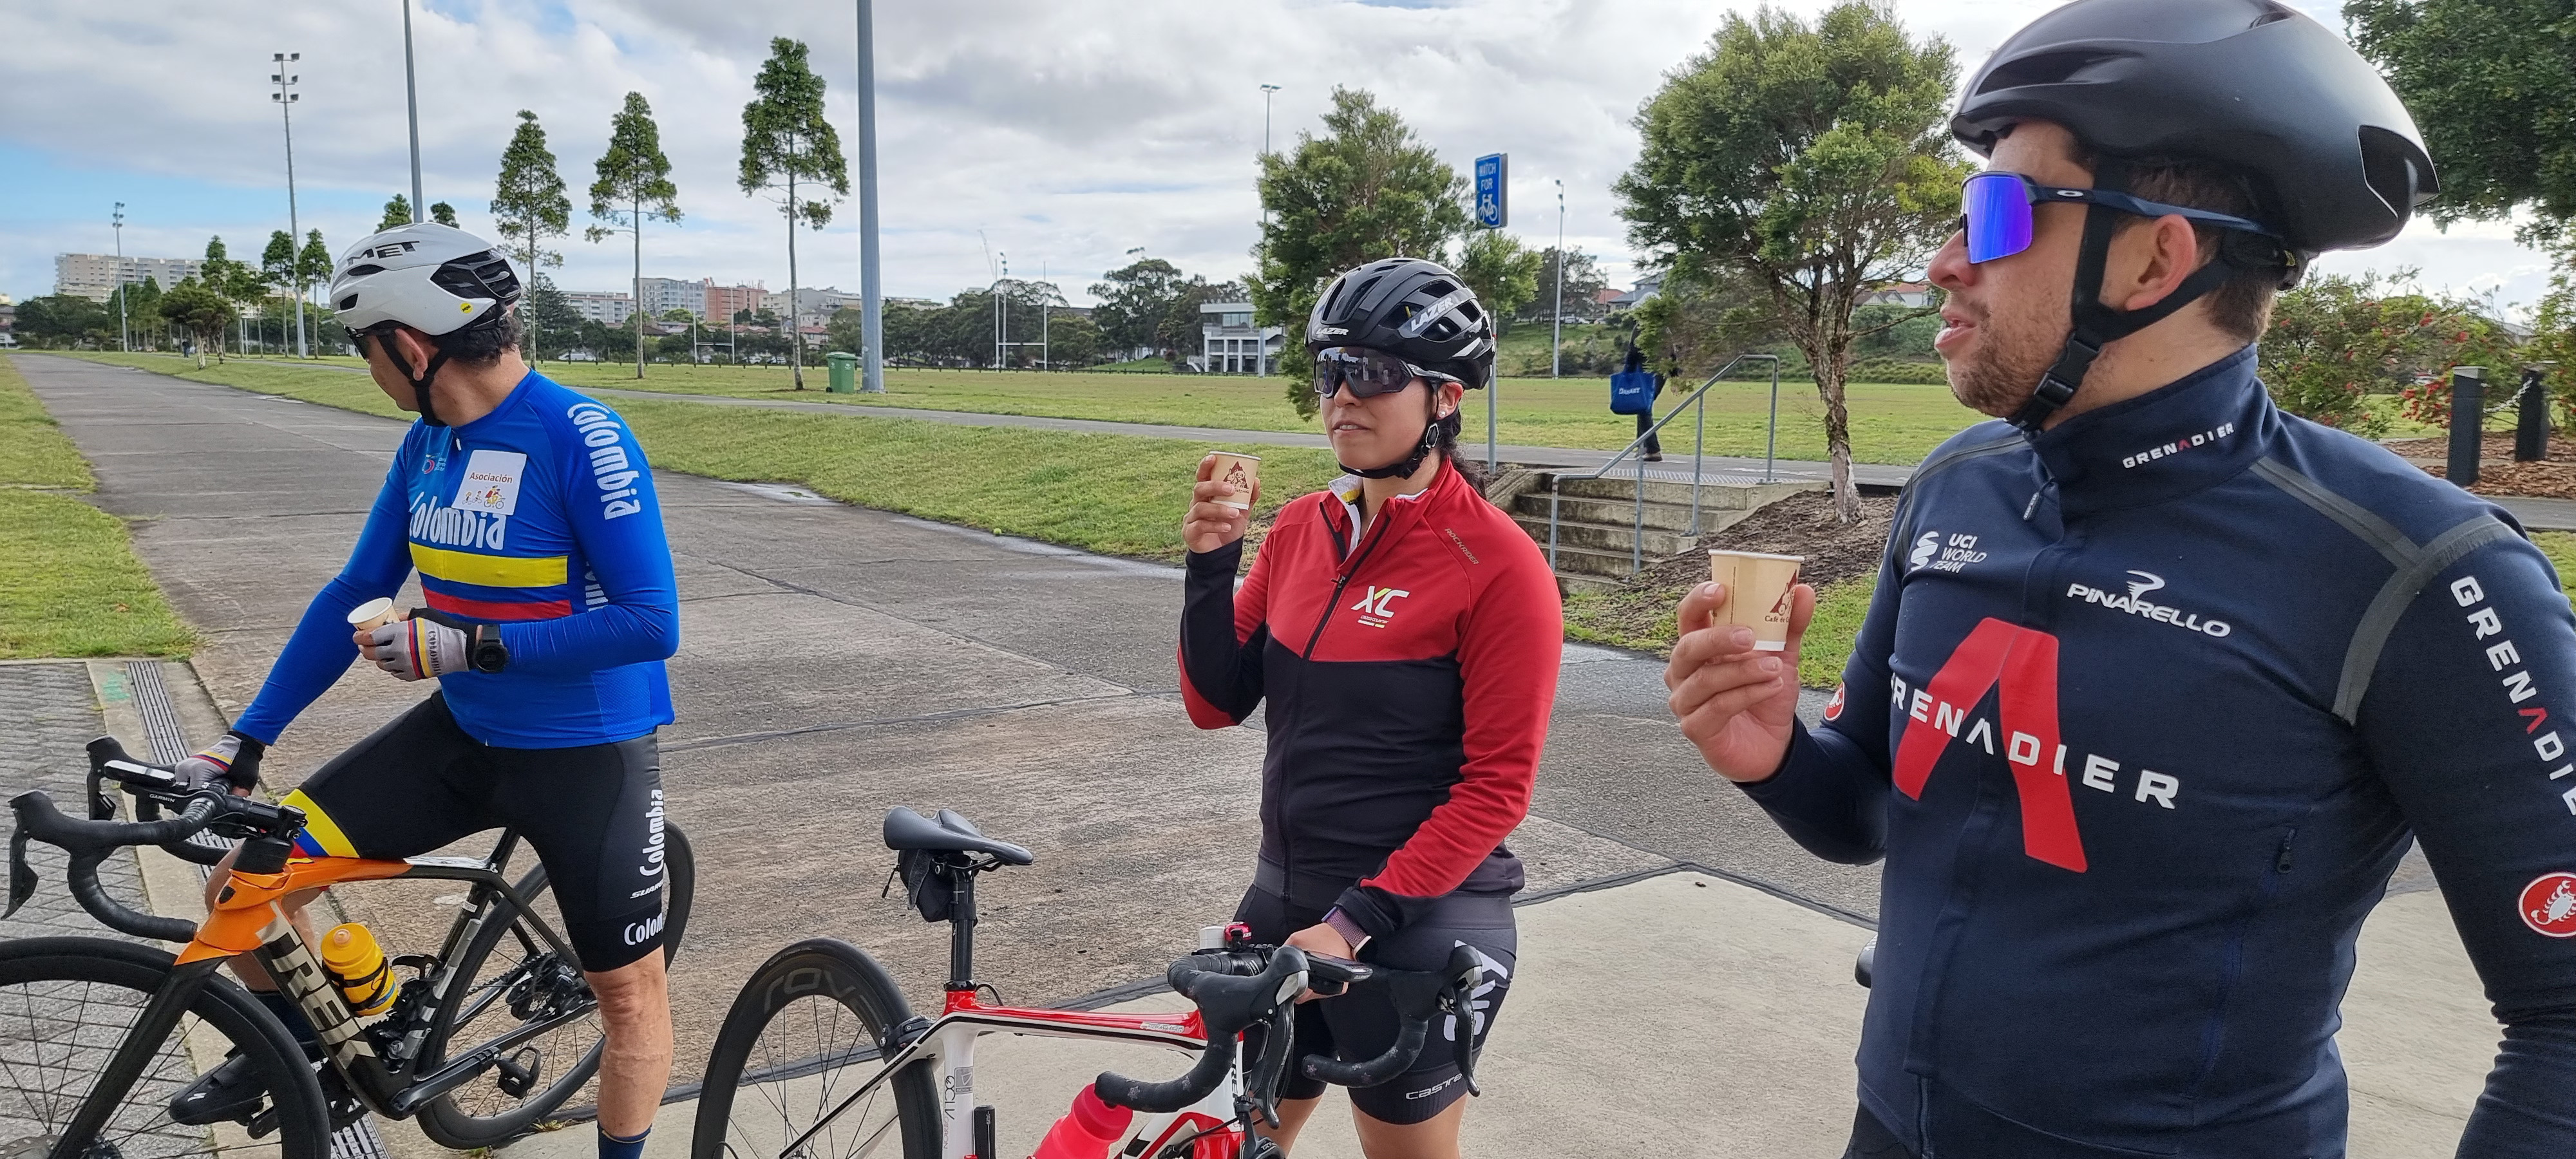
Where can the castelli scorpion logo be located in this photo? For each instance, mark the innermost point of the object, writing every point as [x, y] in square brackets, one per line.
[2549, 905]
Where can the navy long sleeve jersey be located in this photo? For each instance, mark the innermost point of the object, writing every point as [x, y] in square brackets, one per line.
[2146, 709]
[539, 516]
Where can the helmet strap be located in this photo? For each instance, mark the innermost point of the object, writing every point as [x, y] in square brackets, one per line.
[419, 386]
[2098, 325]
[1405, 467]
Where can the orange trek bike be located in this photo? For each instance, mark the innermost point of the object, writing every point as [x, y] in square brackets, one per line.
[488, 1037]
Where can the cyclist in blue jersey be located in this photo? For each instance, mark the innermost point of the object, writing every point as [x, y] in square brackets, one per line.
[2159, 682]
[529, 512]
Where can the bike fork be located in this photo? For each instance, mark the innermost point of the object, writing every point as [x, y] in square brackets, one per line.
[143, 1041]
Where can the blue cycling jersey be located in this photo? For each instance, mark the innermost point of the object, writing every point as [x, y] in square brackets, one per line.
[2145, 711]
[539, 516]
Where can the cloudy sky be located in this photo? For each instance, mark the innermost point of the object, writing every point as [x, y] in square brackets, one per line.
[1061, 133]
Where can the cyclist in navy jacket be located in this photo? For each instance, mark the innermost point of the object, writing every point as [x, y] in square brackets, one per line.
[1404, 634]
[2159, 683]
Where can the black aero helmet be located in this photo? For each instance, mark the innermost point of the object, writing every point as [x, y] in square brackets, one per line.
[1410, 308]
[2250, 86]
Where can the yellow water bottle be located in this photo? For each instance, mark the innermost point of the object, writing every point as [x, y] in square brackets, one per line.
[358, 965]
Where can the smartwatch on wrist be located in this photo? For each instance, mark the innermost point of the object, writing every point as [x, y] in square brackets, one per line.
[487, 653]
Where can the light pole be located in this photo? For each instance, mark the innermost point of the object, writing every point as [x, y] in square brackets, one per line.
[871, 289]
[294, 230]
[1556, 335]
[1046, 346]
[411, 97]
[124, 337]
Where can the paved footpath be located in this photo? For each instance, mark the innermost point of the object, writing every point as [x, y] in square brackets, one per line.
[837, 661]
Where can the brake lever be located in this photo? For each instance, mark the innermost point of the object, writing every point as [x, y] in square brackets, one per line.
[1269, 1073]
[1466, 976]
[22, 877]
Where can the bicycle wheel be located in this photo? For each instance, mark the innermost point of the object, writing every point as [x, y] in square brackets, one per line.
[510, 975]
[65, 1005]
[801, 1037]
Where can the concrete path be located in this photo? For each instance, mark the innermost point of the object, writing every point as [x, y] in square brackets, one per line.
[837, 661]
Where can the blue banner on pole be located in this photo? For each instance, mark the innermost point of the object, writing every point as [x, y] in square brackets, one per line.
[1493, 190]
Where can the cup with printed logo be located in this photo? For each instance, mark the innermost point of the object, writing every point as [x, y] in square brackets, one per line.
[1241, 472]
[373, 614]
[1759, 591]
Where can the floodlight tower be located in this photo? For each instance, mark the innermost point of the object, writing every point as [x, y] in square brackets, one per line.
[285, 81]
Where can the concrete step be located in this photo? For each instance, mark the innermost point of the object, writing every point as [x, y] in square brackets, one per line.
[1612, 563]
[1618, 512]
[1739, 496]
[1659, 542]
[1577, 584]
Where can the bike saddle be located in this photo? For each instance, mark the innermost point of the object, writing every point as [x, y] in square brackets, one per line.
[949, 833]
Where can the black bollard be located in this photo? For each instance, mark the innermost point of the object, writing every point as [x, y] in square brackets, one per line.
[2468, 416]
[2531, 421]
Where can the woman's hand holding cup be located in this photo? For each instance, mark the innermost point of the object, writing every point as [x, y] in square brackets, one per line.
[1218, 513]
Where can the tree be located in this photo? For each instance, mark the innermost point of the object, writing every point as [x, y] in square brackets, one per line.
[67, 321]
[1366, 189]
[2491, 89]
[528, 203]
[1180, 333]
[202, 311]
[634, 184]
[1582, 286]
[1812, 160]
[1502, 271]
[277, 262]
[2336, 340]
[1133, 299]
[443, 213]
[240, 283]
[787, 141]
[397, 213]
[553, 325]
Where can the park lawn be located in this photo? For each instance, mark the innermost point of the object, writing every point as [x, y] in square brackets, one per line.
[34, 452]
[1612, 617]
[1114, 494]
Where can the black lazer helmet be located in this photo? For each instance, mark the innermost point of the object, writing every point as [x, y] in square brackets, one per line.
[1410, 308]
[2251, 86]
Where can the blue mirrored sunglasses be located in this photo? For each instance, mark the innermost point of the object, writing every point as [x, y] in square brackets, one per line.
[1995, 211]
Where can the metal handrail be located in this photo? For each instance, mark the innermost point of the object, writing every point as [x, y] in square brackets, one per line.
[1698, 403]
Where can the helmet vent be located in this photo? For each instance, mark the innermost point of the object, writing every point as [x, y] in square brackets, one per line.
[362, 271]
[349, 303]
[2042, 68]
[2272, 14]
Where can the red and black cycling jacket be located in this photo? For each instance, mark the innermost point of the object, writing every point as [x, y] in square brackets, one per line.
[1408, 680]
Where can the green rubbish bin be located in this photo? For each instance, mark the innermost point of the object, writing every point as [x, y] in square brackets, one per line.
[845, 372]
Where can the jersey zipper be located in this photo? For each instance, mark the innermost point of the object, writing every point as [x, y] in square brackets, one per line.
[1287, 798]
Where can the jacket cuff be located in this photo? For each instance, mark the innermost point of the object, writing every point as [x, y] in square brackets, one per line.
[1375, 911]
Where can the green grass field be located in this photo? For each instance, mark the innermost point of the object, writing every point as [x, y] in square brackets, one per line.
[1891, 423]
[70, 584]
[1106, 493]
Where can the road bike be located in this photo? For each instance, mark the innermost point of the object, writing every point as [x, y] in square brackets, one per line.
[821, 1058]
[100, 1040]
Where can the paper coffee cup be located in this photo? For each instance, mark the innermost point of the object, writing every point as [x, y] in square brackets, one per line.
[1757, 593]
[373, 613]
[1239, 471]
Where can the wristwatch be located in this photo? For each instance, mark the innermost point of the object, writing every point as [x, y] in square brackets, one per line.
[1348, 929]
[487, 653]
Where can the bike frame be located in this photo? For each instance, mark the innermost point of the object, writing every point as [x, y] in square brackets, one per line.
[249, 917]
[947, 1046]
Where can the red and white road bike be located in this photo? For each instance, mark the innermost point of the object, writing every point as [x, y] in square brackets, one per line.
[820, 1057]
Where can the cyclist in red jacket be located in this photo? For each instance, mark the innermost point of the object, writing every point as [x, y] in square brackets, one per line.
[1405, 634]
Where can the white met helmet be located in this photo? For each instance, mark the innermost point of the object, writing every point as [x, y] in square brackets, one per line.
[436, 279]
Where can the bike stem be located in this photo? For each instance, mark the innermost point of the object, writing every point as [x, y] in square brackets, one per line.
[142, 1041]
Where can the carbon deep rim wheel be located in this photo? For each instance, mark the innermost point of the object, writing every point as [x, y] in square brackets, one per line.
[800, 1039]
[65, 1004]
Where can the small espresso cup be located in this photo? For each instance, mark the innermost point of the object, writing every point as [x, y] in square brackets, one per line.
[374, 613]
[1758, 588]
[1241, 472]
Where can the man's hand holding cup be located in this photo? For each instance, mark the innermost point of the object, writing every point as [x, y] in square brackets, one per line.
[1734, 672]
[1221, 502]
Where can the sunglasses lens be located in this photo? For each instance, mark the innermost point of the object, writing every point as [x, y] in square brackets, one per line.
[1996, 215]
[1368, 373]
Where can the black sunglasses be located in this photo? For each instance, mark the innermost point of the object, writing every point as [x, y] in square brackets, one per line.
[1369, 373]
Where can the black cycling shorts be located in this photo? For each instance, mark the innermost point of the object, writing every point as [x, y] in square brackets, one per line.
[1871, 1139]
[1360, 1025]
[593, 814]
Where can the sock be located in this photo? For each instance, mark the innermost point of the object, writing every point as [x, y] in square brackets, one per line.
[613, 1147]
[293, 1016]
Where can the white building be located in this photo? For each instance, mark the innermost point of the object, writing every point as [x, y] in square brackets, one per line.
[663, 295]
[813, 307]
[1230, 344]
[607, 306]
[95, 276]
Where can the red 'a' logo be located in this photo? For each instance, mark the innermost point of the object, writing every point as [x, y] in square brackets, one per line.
[2024, 662]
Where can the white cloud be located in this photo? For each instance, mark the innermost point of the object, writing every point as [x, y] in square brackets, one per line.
[1065, 131]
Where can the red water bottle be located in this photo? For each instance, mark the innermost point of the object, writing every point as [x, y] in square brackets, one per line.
[1086, 1131]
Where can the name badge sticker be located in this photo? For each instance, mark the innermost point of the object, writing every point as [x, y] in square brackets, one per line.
[491, 482]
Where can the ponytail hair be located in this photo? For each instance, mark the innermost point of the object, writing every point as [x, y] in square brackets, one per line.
[1446, 442]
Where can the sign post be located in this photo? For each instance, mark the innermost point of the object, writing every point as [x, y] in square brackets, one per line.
[1493, 211]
